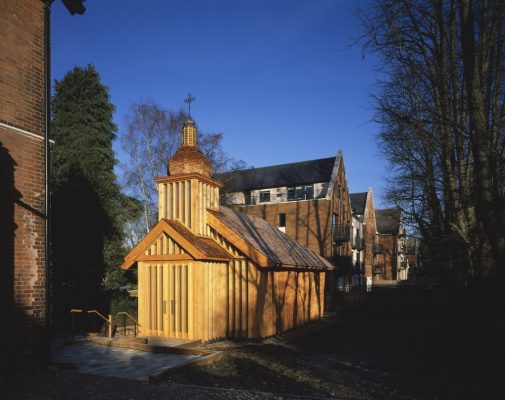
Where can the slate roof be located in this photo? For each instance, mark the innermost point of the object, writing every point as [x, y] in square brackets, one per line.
[388, 221]
[276, 245]
[297, 173]
[358, 202]
[207, 246]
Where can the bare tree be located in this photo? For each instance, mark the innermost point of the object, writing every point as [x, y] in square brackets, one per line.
[152, 137]
[441, 109]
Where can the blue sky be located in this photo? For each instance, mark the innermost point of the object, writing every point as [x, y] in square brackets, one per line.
[278, 77]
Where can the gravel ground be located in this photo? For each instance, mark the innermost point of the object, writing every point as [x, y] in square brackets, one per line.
[390, 345]
[45, 384]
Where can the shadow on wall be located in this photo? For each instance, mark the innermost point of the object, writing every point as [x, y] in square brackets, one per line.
[20, 334]
[79, 226]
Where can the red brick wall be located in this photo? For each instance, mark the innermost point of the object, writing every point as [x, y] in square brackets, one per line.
[341, 206]
[387, 256]
[22, 89]
[369, 234]
[308, 221]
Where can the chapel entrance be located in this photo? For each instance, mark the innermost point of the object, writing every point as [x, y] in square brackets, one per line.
[168, 307]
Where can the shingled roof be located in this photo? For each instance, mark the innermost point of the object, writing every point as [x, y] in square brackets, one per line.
[197, 247]
[276, 245]
[388, 221]
[208, 247]
[358, 202]
[297, 173]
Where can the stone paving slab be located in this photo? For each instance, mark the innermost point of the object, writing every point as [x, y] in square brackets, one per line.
[118, 362]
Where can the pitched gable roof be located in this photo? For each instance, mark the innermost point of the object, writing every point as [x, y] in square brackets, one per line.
[279, 248]
[358, 202]
[297, 173]
[196, 247]
[208, 247]
[388, 221]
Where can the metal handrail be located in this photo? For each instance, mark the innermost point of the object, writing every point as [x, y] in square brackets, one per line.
[135, 322]
[72, 322]
[129, 316]
[108, 320]
[100, 315]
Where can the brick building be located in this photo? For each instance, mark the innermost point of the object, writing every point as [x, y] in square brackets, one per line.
[390, 248]
[414, 255]
[308, 200]
[364, 232]
[23, 148]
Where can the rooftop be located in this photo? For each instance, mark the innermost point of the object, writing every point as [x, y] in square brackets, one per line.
[358, 202]
[208, 247]
[388, 221]
[276, 245]
[298, 173]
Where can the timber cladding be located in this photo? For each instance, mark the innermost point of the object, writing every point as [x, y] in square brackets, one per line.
[207, 273]
[220, 285]
[22, 178]
[210, 300]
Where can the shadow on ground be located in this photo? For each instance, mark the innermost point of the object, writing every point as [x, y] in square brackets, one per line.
[392, 344]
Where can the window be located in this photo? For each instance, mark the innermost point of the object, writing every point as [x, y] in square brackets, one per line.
[378, 269]
[265, 196]
[305, 192]
[291, 194]
[282, 220]
[309, 192]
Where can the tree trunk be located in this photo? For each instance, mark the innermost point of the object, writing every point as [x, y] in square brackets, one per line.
[491, 218]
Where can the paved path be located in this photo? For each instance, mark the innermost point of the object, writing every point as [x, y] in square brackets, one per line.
[117, 362]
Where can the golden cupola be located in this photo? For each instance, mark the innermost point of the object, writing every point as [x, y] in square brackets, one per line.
[189, 190]
[189, 159]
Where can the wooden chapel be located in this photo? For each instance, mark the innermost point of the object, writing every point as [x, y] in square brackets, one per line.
[208, 272]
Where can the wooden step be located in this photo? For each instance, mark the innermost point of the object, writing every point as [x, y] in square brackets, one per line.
[144, 346]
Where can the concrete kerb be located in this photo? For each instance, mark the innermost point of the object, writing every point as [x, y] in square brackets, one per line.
[200, 361]
[103, 341]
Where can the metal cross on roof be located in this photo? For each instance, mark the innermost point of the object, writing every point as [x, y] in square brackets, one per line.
[188, 100]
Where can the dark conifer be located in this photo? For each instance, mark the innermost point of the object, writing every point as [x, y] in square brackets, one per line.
[88, 207]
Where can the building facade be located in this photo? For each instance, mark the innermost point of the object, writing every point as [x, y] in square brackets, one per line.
[391, 262]
[23, 148]
[206, 271]
[365, 233]
[307, 200]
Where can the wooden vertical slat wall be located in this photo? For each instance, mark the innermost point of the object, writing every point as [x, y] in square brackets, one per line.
[177, 314]
[209, 300]
[166, 301]
[159, 299]
[253, 301]
[141, 298]
[235, 299]
[194, 206]
[190, 302]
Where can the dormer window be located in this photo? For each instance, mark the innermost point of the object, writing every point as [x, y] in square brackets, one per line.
[265, 196]
[309, 192]
[291, 194]
[305, 192]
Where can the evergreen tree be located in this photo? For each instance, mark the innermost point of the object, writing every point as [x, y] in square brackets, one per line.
[88, 208]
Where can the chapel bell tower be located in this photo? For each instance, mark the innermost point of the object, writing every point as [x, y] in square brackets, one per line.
[188, 190]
